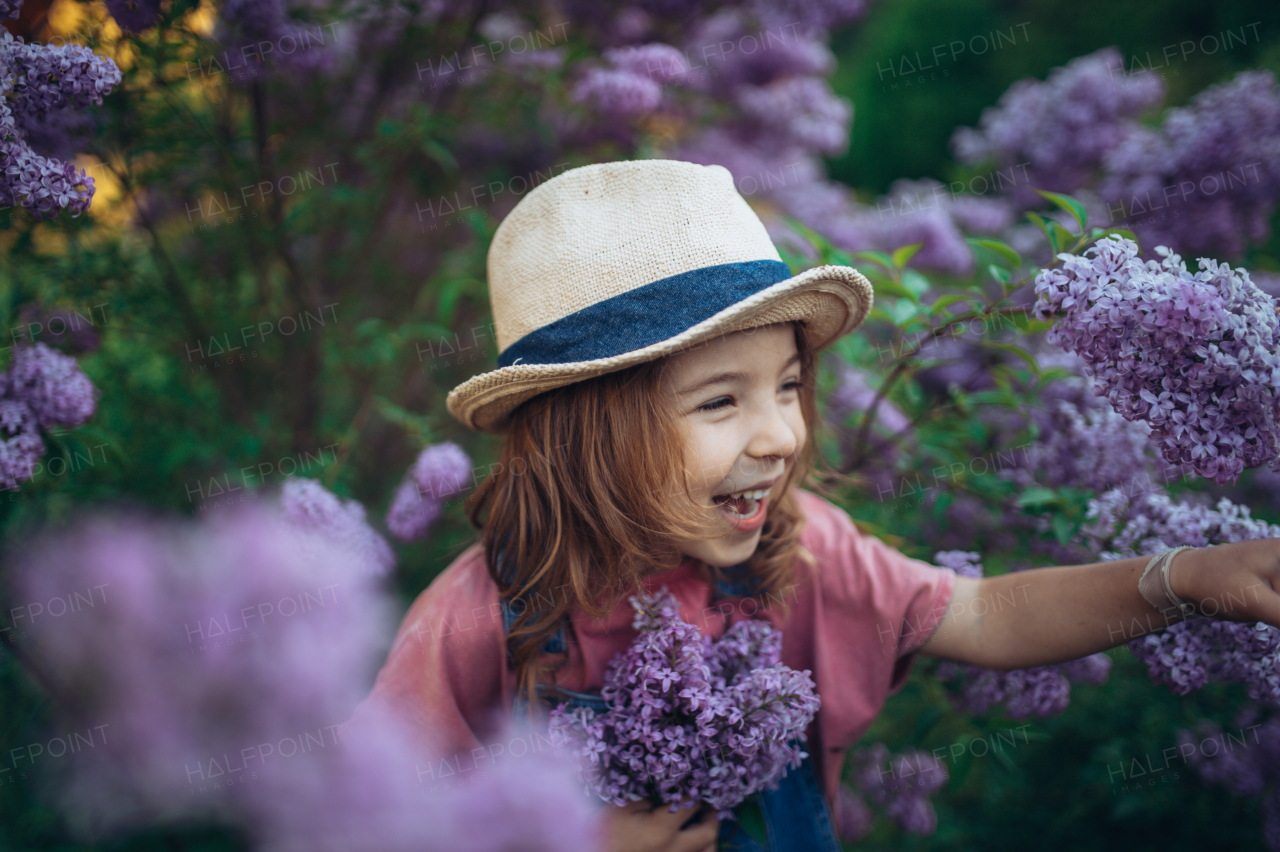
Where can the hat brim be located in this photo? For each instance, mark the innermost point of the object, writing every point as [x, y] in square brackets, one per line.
[831, 300]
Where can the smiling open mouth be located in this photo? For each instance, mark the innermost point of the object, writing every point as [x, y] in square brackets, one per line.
[745, 508]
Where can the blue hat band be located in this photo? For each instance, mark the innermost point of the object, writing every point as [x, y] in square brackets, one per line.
[644, 316]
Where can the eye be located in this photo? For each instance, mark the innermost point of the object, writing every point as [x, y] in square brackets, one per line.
[792, 385]
[716, 404]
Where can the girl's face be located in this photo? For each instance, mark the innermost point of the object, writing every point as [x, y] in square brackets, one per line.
[738, 399]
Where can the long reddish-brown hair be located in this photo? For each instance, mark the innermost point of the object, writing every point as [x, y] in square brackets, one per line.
[582, 505]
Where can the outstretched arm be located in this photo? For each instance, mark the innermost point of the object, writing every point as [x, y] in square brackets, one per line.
[1051, 615]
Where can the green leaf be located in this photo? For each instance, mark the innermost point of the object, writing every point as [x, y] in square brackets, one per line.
[416, 424]
[751, 818]
[999, 273]
[1069, 204]
[884, 288]
[1007, 762]
[904, 310]
[948, 300]
[878, 312]
[927, 718]
[1063, 529]
[876, 257]
[1121, 232]
[1016, 350]
[915, 282]
[996, 246]
[1037, 495]
[1064, 236]
[1025, 323]
[1045, 225]
[902, 255]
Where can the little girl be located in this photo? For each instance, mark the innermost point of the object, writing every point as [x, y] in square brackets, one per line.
[655, 391]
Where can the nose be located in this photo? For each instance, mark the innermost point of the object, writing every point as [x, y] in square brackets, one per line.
[772, 435]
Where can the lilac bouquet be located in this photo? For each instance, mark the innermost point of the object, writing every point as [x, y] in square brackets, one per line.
[690, 718]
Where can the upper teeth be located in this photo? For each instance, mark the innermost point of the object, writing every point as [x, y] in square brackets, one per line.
[753, 495]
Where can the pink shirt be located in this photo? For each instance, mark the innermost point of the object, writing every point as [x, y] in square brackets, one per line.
[854, 623]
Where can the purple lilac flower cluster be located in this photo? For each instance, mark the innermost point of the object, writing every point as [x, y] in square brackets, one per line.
[1039, 691]
[632, 79]
[1084, 444]
[913, 211]
[43, 389]
[1247, 763]
[690, 719]
[1204, 181]
[221, 660]
[37, 83]
[785, 118]
[1063, 127]
[1207, 180]
[439, 472]
[1195, 356]
[308, 504]
[1189, 654]
[899, 784]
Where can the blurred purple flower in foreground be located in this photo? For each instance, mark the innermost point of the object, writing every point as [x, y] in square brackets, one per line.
[220, 660]
[310, 505]
[1195, 356]
[200, 641]
[690, 719]
[440, 471]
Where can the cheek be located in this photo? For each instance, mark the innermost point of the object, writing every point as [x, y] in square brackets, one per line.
[709, 456]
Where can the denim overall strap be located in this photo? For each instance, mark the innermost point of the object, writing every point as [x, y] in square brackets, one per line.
[796, 816]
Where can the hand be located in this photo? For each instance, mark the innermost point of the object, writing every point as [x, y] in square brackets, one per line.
[640, 827]
[1233, 582]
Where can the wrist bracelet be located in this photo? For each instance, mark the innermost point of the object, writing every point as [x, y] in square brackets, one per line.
[1155, 586]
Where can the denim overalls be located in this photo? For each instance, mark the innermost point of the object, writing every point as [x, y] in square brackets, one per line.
[796, 815]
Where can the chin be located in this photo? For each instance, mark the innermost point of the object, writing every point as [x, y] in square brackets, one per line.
[723, 554]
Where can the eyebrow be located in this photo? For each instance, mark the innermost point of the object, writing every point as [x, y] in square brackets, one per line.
[730, 376]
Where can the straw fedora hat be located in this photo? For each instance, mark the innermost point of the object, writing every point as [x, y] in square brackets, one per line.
[606, 266]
